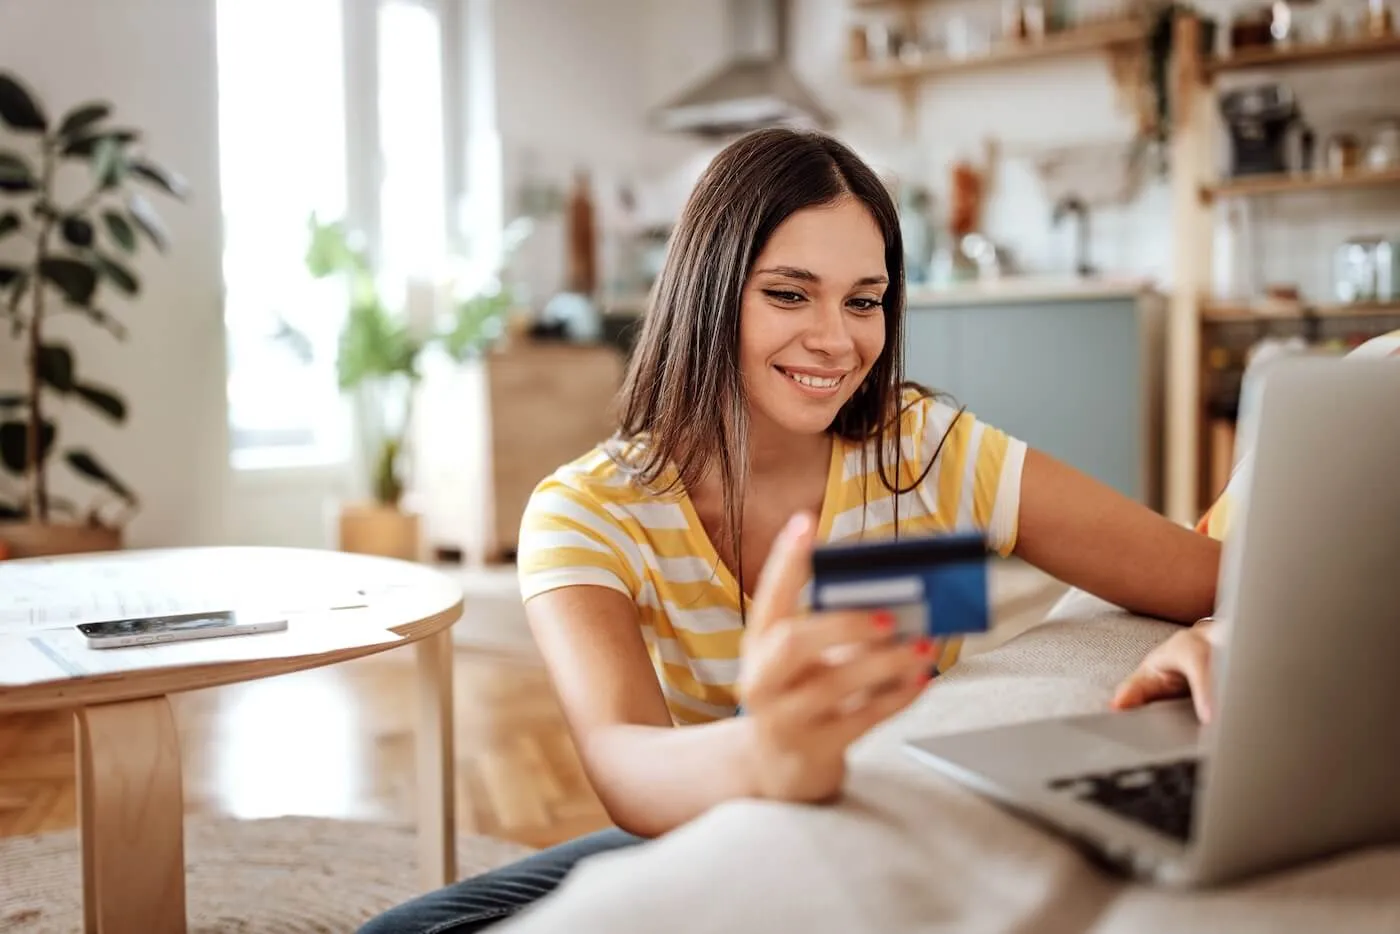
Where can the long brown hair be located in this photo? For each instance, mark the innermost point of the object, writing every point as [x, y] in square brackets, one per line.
[682, 403]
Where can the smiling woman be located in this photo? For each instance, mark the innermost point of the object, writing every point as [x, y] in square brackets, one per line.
[765, 410]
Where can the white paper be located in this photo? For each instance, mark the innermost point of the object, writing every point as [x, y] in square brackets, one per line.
[24, 662]
[59, 654]
[36, 596]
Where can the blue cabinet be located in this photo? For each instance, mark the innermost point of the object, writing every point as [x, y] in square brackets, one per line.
[1078, 378]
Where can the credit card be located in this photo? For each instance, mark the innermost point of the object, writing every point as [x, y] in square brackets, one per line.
[935, 585]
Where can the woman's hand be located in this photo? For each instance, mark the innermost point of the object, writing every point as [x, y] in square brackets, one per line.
[1178, 666]
[812, 684]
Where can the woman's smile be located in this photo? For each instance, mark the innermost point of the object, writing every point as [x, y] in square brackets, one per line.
[815, 382]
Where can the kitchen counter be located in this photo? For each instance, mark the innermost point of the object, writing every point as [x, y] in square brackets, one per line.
[1031, 289]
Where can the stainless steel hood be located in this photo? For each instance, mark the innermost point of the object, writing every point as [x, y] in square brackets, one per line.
[754, 88]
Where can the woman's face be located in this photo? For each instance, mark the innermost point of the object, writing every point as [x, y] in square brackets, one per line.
[811, 323]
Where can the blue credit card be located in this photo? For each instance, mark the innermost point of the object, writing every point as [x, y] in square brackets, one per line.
[935, 585]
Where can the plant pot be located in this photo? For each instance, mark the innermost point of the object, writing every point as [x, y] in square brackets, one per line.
[39, 539]
[376, 529]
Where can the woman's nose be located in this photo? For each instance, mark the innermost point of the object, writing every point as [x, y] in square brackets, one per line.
[828, 332]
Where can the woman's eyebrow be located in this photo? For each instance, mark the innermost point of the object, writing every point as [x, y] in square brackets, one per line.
[806, 275]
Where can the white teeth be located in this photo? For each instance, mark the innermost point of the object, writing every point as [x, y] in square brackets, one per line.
[816, 382]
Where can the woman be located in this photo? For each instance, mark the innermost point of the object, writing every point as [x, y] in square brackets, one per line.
[764, 410]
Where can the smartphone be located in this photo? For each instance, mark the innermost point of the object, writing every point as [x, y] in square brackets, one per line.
[152, 630]
[935, 585]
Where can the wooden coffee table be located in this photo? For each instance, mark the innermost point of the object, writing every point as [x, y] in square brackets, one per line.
[130, 800]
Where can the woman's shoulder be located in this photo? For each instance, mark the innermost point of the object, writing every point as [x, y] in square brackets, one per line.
[601, 480]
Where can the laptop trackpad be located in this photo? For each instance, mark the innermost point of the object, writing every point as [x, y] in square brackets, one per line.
[1163, 726]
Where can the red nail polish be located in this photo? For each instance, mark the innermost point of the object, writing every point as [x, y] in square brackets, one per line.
[883, 619]
[923, 645]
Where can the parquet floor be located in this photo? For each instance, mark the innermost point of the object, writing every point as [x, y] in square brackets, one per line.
[338, 741]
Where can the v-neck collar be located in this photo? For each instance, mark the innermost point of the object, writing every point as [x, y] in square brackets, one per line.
[835, 477]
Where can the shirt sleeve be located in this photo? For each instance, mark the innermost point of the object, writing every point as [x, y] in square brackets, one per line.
[567, 538]
[975, 481]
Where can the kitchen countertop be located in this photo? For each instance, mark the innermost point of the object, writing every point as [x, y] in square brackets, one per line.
[1018, 289]
[1022, 289]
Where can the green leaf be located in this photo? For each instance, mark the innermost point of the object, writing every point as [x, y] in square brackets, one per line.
[56, 367]
[76, 279]
[77, 231]
[14, 444]
[109, 164]
[148, 221]
[120, 230]
[374, 343]
[84, 146]
[173, 183]
[121, 277]
[81, 117]
[15, 169]
[108, 402]
[9, 223]
[84, 463]
[18, 107]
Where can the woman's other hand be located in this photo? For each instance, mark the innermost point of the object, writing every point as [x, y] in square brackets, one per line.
[1177, 667]
[812, 684]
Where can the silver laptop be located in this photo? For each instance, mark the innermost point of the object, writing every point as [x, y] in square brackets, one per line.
[1301, 758]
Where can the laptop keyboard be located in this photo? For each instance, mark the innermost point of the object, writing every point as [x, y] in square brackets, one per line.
[1158, 795]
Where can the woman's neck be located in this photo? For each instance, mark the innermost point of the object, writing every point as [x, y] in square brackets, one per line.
[777, 454]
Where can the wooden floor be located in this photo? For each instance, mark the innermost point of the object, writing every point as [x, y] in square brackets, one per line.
[338, 742]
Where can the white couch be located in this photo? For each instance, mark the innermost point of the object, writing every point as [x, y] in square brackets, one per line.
[906, 851]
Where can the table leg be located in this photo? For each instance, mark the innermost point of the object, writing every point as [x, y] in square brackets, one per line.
[131, 818]
[437, 783]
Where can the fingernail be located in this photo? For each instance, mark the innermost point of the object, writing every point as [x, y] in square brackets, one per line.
[883, 619]
[923, 645]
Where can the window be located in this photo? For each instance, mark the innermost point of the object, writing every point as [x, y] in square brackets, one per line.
[296, 138]
[412, 195]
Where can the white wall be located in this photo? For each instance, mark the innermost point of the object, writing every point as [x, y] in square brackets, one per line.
[154, 60]
[571, 94]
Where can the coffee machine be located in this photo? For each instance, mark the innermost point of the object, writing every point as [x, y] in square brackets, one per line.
[1259, 121]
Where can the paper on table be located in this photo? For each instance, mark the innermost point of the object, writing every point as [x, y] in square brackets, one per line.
[24, 662]
[59, 654]
[53, 596]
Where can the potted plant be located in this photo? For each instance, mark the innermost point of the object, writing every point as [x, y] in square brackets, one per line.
[377, 365]
[61, 256]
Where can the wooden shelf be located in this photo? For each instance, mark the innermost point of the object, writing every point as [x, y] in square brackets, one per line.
[1291, 183]
[1066, 43]
[1262, 313]
[1350, 50]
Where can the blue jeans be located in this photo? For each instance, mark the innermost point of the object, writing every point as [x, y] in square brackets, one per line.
[477, 903]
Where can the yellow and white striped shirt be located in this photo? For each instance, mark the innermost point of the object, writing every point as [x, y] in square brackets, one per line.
[588, 523]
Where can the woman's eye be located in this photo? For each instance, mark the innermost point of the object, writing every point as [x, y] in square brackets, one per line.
[783, 295]
[866, 304]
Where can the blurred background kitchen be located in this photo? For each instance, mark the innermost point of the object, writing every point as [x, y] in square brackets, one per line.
[1102, 225]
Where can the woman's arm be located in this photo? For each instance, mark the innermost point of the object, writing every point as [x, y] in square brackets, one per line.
[1092, 537]
[649, 776]
[810, 684]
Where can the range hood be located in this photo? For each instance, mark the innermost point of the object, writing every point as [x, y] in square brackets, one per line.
[754, 88]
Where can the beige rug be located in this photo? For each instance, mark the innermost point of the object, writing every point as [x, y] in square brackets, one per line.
[290, 875]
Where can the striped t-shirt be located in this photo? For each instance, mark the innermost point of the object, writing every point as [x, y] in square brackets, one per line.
[588, 523]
